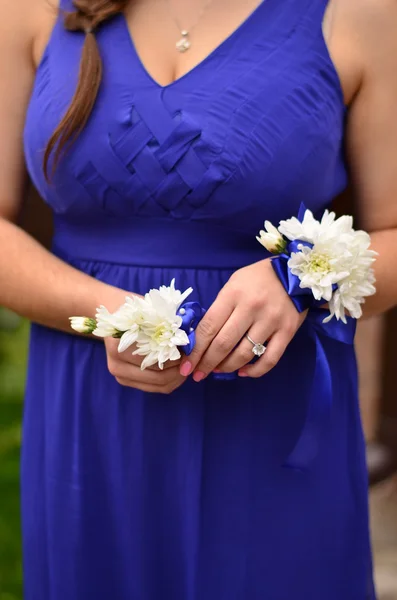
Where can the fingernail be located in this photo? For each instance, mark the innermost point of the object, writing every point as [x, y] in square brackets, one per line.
[198, 376]
[242, 374]
[186, 369]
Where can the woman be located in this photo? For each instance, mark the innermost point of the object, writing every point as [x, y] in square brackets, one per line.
[206, 119]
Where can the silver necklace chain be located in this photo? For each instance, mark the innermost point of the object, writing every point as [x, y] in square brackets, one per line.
[184, 43]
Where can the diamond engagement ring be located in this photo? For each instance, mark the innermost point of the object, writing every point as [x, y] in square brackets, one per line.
[258, 349]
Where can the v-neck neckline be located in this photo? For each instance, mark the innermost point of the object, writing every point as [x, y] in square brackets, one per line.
[196, 68]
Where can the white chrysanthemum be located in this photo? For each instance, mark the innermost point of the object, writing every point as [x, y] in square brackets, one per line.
[358, 285]
[271, 239]
[126, 316]
[318, 269]
[82, 324]
[105, 323]
[160, 333]
[159, 341]
[334, 261]
[153, 325]
[129, 319]
[166, 299]
[310, 230]
[305, 231]
[341, 256]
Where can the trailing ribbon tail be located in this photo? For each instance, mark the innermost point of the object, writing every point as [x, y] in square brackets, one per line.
[320, 401]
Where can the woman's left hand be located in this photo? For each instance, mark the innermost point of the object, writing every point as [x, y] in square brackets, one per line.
[254, 302]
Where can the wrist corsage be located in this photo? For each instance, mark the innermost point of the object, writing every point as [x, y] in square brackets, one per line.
[158, 325]
[322, 261]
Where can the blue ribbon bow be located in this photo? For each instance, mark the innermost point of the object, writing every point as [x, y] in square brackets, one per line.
[191, 314]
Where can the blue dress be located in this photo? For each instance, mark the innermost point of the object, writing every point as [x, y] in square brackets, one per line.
[135, 496]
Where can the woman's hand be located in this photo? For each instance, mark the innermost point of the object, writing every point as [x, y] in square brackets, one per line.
[254, 302]
[126, 369]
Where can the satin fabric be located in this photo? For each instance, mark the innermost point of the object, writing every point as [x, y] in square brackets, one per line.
[135, 496]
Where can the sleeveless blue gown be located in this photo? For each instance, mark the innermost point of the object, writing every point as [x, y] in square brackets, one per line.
[135, 496]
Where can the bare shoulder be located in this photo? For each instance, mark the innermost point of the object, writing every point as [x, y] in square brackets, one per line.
[26, 24]
[372, 25]
[43, 21]
[24, 27]
[371, 134]
[369, 12]
[362, 39]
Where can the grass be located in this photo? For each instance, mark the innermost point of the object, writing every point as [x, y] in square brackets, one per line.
[13, 350]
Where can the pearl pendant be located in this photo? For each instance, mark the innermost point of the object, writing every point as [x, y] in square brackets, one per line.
[184, 43]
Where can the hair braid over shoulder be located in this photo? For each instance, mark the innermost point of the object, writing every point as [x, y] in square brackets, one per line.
[87, 17]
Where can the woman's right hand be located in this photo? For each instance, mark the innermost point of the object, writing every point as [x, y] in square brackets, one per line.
[126, 369]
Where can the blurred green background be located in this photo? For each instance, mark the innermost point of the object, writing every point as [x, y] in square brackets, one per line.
[13, 352]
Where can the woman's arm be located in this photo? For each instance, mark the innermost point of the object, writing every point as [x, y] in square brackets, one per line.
[372, 140]
[37, 285]
[33, 282]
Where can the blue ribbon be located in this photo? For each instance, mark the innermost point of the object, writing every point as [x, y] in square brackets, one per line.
[191, 314]
[302, 298]
[320, 401]
[321, 394]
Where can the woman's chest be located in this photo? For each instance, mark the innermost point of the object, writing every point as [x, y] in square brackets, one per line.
[250, 129]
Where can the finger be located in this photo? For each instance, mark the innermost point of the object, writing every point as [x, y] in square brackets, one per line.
[243, 354]
[134, 374]
[208, 328]
[112, 346]
[170, 364]
[274, 351]
[151, 389]
[223, 344]
[128, 357]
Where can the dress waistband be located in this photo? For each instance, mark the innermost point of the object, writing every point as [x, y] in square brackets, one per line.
[156, 243]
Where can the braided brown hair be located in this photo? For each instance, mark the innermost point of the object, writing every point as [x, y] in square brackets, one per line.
[87, 17]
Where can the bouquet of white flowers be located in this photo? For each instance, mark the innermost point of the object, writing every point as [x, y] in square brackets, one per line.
[322, 261]
[159, 324]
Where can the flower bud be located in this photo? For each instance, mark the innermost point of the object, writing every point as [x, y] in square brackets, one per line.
[272, 239]
[82, 324]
